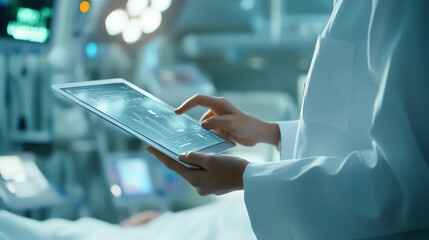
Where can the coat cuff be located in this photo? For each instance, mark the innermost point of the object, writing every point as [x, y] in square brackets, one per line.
[263, 203]
[288, 131]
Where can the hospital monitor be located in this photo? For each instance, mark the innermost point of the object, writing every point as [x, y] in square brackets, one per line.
[130, 178]
[22, 184]
[25, 23]
[138, 178]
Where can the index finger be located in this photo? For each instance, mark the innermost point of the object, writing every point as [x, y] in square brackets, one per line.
[200, 100]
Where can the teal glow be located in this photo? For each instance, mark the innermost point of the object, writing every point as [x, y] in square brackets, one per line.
[30, 25]
[91, 50]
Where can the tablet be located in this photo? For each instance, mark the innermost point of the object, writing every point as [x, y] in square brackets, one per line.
[145, 116]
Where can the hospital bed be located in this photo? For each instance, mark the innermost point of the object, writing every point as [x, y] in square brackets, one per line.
[224, 219]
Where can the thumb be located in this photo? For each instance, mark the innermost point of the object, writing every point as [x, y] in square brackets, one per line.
[195, 158]
[218, 122]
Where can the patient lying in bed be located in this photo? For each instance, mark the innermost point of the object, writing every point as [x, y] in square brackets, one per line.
[226, 219]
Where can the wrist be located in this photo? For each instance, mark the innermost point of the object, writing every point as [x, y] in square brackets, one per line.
[271, 133]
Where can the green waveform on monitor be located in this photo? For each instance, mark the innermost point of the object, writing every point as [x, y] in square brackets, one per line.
[30, 25]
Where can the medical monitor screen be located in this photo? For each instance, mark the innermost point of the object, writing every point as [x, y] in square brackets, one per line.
[26, 20]
[146, 116]
[134, 176]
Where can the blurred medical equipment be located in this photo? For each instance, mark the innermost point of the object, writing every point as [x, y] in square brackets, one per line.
[256, 44]
[28, 22]
[129, 178]
[25, 34]
[137, 178]
[23, 186]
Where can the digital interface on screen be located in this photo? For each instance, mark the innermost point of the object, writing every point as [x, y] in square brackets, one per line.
[134, 176]
[26, 20]
[146, 116]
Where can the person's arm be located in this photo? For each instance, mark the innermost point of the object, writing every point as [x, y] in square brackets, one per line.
[231, 123]
[370, 192]
[140, 218]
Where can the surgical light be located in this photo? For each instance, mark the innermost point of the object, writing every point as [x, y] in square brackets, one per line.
[150, 20]
[116, 22]
[132, 31]
[135, 7]
[161, 5]
[138, 18]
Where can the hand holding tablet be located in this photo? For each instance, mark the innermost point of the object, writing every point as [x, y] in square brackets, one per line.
[144, 116]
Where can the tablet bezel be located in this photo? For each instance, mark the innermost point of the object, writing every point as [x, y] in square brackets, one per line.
[217, 148]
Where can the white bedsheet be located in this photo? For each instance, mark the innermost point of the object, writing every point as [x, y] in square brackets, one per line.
[226, 219]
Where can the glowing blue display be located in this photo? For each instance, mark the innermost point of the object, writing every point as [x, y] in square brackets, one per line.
[134, 177]
[91, 50]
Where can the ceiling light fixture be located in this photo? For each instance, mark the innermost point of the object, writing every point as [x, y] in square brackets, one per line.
[139, 17]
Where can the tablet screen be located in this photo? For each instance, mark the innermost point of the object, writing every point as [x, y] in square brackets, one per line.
[146, 116]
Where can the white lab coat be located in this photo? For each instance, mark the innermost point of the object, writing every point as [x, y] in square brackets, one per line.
[360, 162]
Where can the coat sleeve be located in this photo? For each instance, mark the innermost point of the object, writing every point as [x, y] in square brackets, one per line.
[370, 192]
[288, 131]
